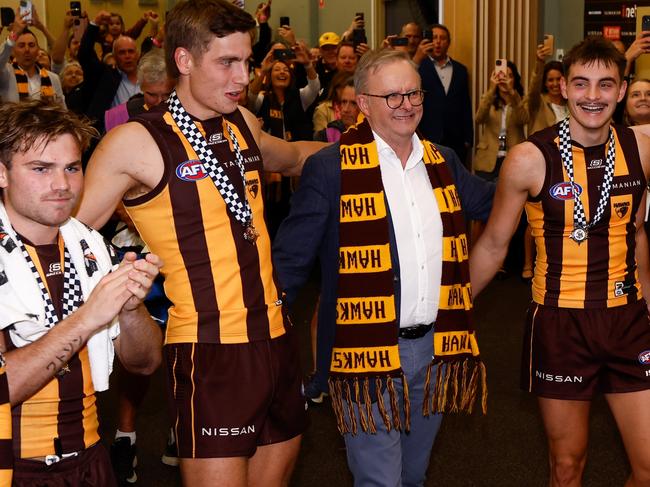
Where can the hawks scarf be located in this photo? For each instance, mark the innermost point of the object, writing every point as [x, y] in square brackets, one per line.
[366, 344]
[47, 92]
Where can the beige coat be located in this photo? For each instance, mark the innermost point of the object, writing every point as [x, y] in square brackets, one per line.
[538, 104]
[490, 117]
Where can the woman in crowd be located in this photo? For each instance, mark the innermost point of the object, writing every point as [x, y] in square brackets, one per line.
[281, 106]
[637, 102]
[283, 109]
[329, 110]
[72, 78]
[502, 115]
[345, 106]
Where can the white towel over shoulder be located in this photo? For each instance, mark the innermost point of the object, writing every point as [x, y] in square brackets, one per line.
[21, 302]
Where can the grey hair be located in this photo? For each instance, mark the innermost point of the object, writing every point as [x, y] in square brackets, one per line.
[68, 65]
[152, 67]
[371, 61]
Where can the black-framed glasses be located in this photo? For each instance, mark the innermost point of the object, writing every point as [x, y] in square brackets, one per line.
[395, 100]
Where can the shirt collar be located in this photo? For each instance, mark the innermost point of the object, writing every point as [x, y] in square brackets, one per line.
[443, 65]
[415, 157]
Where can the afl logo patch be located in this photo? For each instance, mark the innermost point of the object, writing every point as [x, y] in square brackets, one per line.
[563, 191]
[644, 357]
[191, 171]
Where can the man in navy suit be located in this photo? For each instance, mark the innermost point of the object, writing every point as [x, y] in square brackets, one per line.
[389, 95]
[447, 117]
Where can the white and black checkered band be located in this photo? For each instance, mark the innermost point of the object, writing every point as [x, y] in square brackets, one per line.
[72, 295]
[238, 206]
[566, 152]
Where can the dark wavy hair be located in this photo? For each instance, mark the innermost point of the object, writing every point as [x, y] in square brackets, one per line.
[550, 66]
[36, 123]
[595, 50]
[516, 84]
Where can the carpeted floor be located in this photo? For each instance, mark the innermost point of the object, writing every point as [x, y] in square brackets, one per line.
[506, 448]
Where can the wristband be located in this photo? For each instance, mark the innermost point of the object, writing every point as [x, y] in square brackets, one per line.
[13, 37]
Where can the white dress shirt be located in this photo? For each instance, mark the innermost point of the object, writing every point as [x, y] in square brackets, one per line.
[445, 72]
[418, 232]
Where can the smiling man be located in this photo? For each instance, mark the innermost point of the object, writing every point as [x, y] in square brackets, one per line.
[383, 211]
[582, 183]
[24, 78]
[190, 173]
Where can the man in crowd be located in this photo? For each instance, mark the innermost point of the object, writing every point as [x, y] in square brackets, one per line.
[413, 33]
[326, 65]
[60, 296]
[401, 263]
[108, 87]
[346, 58]
[24, 78]
[227, 322]
[156, 87]
[583, 185]
[447, 117]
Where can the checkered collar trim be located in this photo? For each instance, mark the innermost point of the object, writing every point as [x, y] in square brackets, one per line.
[566, 152]
[238, 206]
[72, 295]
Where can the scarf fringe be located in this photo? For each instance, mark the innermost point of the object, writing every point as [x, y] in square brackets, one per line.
[350, 394]
[455, 387]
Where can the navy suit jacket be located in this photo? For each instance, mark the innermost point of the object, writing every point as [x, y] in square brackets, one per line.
[312, 230]
[447, 117]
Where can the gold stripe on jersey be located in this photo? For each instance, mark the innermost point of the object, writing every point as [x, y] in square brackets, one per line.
[600, 271]
[6, 455]
[90, 420]
[40, 421]
[234, 299]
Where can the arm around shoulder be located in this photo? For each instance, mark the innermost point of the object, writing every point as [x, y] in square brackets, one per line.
[279, 155]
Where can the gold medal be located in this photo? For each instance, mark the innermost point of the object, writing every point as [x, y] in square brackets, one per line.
[579, 235]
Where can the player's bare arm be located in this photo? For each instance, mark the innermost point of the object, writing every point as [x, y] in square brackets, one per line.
[279, 155]
[522, 174]
[126, 164]
[139, 343]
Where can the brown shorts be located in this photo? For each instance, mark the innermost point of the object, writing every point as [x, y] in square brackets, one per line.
[228, 399]
[91, 467]
[577, 353]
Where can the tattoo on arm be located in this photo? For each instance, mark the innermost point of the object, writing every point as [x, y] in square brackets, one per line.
[65, 357]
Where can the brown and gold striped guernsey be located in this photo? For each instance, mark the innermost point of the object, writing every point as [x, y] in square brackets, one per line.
[6, 454]
[601, 272]
[65, 407]
[223, 289]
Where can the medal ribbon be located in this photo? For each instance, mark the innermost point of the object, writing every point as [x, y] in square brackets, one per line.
[72, 296]
[566, 153]
[241, 210]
